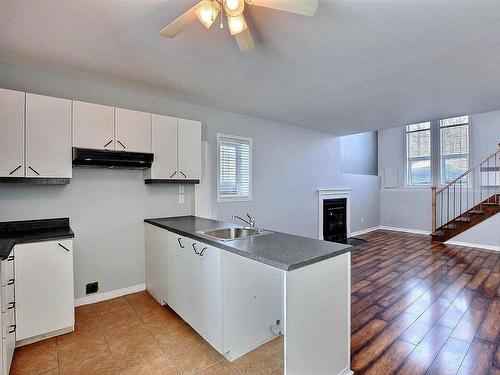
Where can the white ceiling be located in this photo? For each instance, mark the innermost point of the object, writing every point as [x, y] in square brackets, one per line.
[354, 66]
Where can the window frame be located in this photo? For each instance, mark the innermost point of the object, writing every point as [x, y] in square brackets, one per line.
[435, 155]
[222, 198]
[442, 158]
[408, 159]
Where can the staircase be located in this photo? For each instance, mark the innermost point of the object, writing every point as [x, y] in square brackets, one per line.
[467, 200]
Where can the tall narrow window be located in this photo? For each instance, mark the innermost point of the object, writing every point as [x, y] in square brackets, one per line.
[454, 135]
[234, 182]
[418, 154]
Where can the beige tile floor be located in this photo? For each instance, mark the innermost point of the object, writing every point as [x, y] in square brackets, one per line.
[135, 335]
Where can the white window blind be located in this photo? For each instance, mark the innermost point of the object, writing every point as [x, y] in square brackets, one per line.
[235, 168]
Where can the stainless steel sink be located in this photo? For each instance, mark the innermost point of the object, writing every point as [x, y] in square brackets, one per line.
[232, 233]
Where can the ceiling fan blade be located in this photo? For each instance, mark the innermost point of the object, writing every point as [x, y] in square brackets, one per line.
[245, 40]
[181, 22]
[302, 7]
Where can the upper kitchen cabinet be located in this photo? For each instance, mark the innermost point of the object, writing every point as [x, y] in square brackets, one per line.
[189, 143]
[12, 136]
[48, 137]
[176, 144]
[164, 148]
[93, 126]
[132, 130]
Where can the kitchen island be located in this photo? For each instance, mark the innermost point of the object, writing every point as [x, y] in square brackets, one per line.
[239, 294]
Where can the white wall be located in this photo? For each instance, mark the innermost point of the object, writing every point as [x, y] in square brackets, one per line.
[289, 165]
[359, 152]
[410, 208]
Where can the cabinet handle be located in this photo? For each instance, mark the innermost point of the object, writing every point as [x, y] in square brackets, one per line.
[64, 247]
[107, 144]
[121, 144]
[13, 328]
[11, 282]
[173, 174]
[180, 243]
[10, 258]
[15, 170]
[34, 170]
[202, 251]
[12, 305]
[183, 174]
[194, 248]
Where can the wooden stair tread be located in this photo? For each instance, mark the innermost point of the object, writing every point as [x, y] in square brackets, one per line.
[476, 212]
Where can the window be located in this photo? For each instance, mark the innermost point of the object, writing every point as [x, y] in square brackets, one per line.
[418, 154]
[234, 182]
[454, 135]
[437, 152]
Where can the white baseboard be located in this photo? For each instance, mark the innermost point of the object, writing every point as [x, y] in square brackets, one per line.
[347, 371]
[363, 231]
[476, 245]
[407, 230]
[108, 295]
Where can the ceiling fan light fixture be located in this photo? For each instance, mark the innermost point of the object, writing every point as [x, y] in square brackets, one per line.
[236, 24]
[234, 8]
[207, 13]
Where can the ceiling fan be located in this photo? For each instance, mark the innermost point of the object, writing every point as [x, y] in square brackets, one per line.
[207, 11]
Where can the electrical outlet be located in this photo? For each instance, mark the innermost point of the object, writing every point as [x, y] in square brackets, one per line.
[181, 189]
[181, 198]
[92, 287]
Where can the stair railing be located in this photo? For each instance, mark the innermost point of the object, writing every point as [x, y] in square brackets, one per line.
[468, 191]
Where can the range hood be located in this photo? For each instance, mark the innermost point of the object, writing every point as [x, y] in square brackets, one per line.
[90, 158]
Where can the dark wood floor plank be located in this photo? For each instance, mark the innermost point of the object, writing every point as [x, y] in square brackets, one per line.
[424, 353]
[490, 327]
[449, 358]
[478, 279]
[392, 359]
[418, 330]
[491, 284]
[479, 359]
[472, 318]
[362, 336]
[364, 317]
[374, 349]
[456, 310]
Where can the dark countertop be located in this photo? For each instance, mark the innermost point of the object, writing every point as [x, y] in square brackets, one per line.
[18, 232]
[284, 251]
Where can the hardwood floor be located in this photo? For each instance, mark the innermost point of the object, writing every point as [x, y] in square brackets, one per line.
[417, 308]
[424, 308]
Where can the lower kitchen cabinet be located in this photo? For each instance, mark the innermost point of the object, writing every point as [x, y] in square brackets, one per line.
[210, 289]
[156, 262]
[8, 308]
[44, 289]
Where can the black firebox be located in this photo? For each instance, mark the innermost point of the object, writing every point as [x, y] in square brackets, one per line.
[335, 220]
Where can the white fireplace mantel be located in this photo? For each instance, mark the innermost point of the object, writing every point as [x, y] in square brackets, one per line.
[332, 194]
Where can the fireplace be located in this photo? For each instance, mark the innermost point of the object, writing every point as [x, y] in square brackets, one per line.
[335, 220]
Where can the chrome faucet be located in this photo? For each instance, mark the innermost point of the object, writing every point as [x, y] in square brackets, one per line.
[250, 222]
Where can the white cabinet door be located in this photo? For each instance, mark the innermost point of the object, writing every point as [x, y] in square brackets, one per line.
[157, 243]
[93, 126]
[211, 312]
[44, 288]
[189, 136]
[48, 136]
[183, 279]
[164, 142]
[251, 303]
[132, 130]
[11, 133]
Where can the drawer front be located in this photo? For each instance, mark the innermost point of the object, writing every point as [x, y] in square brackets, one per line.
[8, 346]
[8, 297]
[8, 323]
[7, 269]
